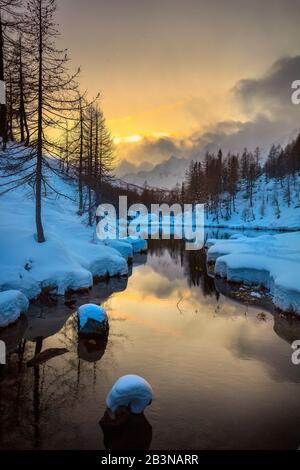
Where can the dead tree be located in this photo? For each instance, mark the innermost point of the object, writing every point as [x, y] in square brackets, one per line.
[9, 22]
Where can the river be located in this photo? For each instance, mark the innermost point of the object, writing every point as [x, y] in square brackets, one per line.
[220, 369]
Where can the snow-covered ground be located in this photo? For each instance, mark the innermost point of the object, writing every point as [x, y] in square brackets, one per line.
[276, 205]
[271, 261]
[72, 254]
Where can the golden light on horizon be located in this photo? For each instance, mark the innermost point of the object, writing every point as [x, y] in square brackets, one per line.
[127, 139]
[130, 139]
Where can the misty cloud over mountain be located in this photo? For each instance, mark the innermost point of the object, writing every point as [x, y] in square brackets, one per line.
[272, 119]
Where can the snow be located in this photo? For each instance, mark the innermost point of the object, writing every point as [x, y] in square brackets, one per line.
[12, 304]
[269, 211]
[271, 261]
[67, 260]
[255, 294]
[72, 254]
[91, 312]
[131, 391]
[138, 244]
[163, 175]
[124, 247]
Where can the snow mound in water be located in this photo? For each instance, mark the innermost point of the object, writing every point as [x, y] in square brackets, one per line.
[12, 304]
[138, 244]
[131, 391]
[122, 246]
[91, 312]
[272, 261]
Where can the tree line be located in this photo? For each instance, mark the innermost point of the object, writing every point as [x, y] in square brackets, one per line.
[47, 124]
[217, 180]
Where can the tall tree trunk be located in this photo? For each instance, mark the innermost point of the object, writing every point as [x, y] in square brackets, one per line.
[67, 147]
[97, 167]
[96, 171]
[90, 162]
[3, 111]
[10, 109]
[101, 171]
[80, 211]
[23, 118]
[39, 157]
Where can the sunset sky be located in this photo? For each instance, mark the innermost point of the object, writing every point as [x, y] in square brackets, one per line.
[167, 68]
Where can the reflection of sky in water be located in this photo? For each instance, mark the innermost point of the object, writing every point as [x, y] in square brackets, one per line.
[217, 369]
[221, 377]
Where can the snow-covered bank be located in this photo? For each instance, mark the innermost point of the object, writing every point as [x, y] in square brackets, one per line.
[12, 304]
[271, 261]
[72, 254]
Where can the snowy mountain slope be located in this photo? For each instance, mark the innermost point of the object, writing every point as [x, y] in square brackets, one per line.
[276, 205]
[68, 259]
[270, 208]
[164, 175]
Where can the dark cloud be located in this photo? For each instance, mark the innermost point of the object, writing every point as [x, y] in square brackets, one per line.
[271, 93]
[150, 152]
[261, 132]
[160, 149]
[267, 101]
[164, 146]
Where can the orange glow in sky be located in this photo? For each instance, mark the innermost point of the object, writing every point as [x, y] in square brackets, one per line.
[167, 67]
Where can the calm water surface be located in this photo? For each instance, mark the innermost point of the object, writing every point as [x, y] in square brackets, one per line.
[221, 371]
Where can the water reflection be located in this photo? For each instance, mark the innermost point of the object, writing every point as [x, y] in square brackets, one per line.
[135, 434]
[29, 397]
[221, 370]
[13, 335]
[92, 349]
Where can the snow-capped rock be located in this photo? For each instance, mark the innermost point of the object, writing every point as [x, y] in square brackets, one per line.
[12, 304]
[92, 319]
[130, 391]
